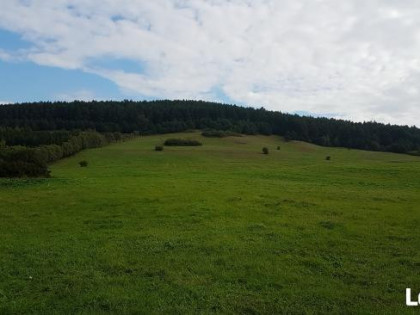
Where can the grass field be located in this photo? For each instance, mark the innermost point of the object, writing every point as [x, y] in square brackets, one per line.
[219, 228]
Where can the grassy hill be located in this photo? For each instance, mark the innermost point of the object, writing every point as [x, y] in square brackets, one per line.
[218, 228]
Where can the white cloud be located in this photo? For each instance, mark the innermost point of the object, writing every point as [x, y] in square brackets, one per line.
[358, 59]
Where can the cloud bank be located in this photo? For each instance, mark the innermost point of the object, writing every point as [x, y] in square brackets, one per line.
[351, 59]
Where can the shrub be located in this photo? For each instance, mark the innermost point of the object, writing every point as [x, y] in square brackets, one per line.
[23, 162]
[83, 163]
[328, 158]
[158, 148]
[182, 142]
[265, 150]
[278, 147]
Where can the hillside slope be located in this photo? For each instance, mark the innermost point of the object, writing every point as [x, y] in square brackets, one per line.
[216, 228]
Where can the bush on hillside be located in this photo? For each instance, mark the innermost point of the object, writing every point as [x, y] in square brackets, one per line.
[83, 163]
[23, 162]
[265, 150]
[158, 148]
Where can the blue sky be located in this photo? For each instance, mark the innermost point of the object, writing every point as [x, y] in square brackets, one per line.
[323, 58]
[12, 41]
[25, 81]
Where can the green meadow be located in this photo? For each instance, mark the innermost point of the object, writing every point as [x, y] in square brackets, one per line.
[220, 228]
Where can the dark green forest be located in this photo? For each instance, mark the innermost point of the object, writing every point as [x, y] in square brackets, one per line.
[34, 134]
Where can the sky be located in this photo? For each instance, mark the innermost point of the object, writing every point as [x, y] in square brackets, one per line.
[355, 59]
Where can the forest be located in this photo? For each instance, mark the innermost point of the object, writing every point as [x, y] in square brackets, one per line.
[34, 134]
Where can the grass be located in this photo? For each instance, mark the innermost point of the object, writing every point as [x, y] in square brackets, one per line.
[220, 228]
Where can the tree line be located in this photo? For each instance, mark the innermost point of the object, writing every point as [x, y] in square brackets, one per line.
[152, 117]
[32, 161]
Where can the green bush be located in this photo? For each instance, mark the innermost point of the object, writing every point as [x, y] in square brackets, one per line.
[265, 150]
[158, 148]
[83, 163]
[20, 161]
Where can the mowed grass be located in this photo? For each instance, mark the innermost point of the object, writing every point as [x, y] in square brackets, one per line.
[220, 228]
